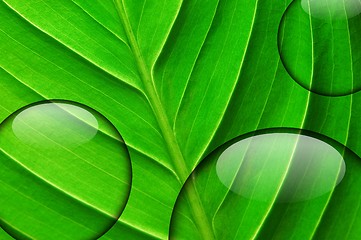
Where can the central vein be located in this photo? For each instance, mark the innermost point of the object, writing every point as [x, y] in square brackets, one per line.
[199, 215]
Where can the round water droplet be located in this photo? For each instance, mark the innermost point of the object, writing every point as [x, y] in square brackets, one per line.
[318, 41]
[65, 172]
[242, 180]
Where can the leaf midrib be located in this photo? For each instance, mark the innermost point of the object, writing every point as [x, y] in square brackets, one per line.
[176, 155]
[153, 98]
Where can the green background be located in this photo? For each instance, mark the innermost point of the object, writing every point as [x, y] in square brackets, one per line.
[177, 79]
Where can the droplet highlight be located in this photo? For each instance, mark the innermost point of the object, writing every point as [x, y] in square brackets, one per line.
[278, 162]
[49, 124]
[332, 9]
[273, 175]
[318, 41]
[65, 172]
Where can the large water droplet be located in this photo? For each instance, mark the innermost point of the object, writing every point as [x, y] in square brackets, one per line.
[65, 172]
[242, 180]
[318, 41]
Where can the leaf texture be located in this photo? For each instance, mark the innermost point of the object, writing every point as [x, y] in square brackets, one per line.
[177, 79]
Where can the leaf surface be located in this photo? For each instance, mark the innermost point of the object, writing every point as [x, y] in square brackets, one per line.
[177, 79]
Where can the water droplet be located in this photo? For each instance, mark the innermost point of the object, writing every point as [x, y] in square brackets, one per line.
[318, 41]
[242, 180]
[65, 172]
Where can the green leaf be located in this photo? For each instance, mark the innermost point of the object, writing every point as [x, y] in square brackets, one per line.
[177, 79]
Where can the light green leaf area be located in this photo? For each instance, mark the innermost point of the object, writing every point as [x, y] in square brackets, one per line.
[177, 79]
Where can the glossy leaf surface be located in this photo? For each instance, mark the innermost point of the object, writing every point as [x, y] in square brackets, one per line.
[177, 79]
